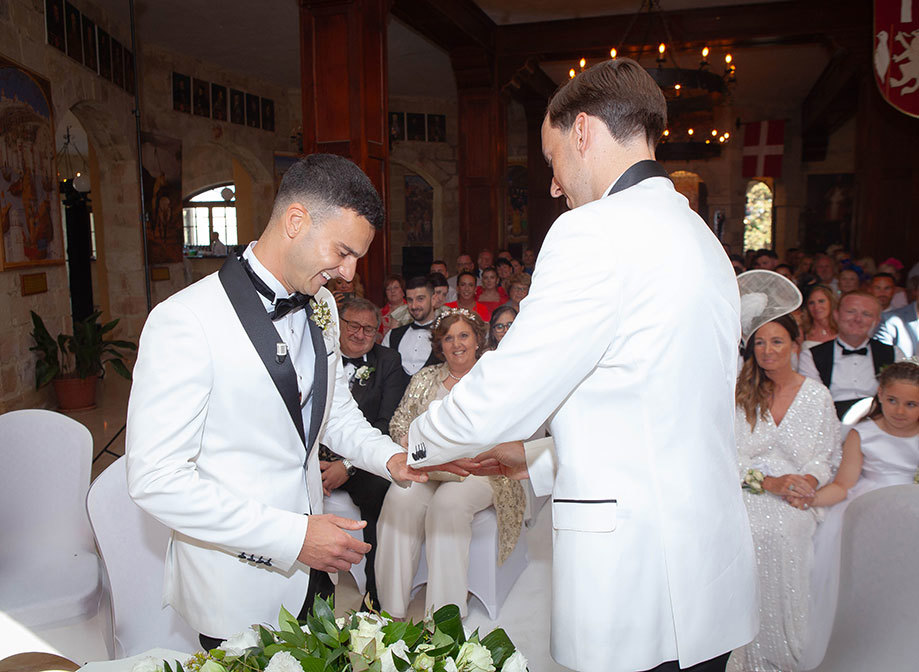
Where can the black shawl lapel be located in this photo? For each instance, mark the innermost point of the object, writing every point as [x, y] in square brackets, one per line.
[258, 326]
[320, 378]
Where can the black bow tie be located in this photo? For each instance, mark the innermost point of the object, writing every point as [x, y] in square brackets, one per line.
[295, 301]
[358, 362]
[857, 351]
[427, 326]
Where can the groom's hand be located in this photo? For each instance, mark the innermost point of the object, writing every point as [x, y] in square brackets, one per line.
[328, 547]
[505, 459]
[401, 472]
[461, 467]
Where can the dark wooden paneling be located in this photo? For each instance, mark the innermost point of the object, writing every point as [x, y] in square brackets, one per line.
[330, 66]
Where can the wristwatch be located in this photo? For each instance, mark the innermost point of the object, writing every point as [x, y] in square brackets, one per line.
[348, 466]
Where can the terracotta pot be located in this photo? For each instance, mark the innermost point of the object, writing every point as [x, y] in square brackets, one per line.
[75, 394]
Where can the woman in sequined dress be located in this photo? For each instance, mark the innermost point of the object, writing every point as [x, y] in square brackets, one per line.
[439, 513]
[786, 427]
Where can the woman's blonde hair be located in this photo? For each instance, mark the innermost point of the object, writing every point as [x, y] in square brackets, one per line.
[807, 322]
[754, 389]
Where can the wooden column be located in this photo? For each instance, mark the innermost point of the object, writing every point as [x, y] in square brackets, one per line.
[542, 209]
[482, 152]
[886, 178]
[345, 100]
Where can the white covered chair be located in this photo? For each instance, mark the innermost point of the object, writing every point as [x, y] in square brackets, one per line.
[51, 573]
[133, 546]
[856, 413]
[339, 503]
[486, 580]
[878, 610]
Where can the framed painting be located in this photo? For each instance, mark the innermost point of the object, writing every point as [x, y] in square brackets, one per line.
[237, 107]
[30, 212]
[128, 70]
[181, 92]
[219, 102]
[74, 35]
[202, 98]
[105, 53]
[253, 111]
[117, 64]
[161, 159]
[267, 114]
[396, 127]
[54, 23]
[89, 45]
[415, 126]
[437, 128]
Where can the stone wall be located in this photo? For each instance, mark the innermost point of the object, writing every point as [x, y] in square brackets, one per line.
[213, 152]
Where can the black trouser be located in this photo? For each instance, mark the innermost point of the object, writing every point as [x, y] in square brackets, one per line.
[367, 492]
[320, 584]
[714, 665]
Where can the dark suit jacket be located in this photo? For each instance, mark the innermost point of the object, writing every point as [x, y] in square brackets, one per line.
[395, 337]
[379, 396]
[881, 355]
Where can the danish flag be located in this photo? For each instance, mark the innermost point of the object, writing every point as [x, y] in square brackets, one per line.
[763, 148]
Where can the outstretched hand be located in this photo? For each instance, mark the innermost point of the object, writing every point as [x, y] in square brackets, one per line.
[505, 459]
[400, 471]
[328, 547]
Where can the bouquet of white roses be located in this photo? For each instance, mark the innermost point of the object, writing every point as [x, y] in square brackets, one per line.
[360, 642]
[753, 481]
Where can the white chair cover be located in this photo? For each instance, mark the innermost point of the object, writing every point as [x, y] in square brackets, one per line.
[133, 546]
[878, 609]
[486, 580]
[51, 574]
[339, 503]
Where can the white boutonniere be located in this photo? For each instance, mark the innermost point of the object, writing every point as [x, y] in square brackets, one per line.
[322, 314]
[362, 375]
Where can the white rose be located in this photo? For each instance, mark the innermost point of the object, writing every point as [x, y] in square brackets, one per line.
[474, 657]
[282, 661]
[516, 663]
[398, 648]
[148, 664]
[237, 644]
[369, 629]
[449, 665]
[423, 663]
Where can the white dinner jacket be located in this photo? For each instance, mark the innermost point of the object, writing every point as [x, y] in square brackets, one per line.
[628, 343]
[213, 454]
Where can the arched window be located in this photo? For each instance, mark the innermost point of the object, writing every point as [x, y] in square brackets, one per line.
[208, 211]
[757, 221]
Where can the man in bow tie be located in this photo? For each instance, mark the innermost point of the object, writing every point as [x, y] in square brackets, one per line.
[237, 378]
[653, 563]
[850, 363]
[413, 340]
[377, 384]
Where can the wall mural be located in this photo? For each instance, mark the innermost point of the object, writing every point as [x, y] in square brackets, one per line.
[30, 214]
[162, 168]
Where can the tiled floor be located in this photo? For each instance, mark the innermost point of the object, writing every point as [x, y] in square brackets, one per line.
[524, 615]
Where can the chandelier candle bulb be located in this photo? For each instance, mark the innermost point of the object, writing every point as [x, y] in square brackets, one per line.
[728, 58]
[690, 131]
[582, 63]
[571, 73]
[714, 132]
[613, 52]
[661, 48]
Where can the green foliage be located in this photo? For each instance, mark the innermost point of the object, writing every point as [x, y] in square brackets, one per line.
[359, 643]
[81, 354]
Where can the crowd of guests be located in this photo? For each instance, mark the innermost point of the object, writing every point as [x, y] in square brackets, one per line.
[398, 358]
[806, 447]
[855, 336]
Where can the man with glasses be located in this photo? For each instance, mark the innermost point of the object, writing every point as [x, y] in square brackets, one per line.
[377, 384]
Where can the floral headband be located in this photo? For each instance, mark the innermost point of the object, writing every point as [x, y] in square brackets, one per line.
[468, 314]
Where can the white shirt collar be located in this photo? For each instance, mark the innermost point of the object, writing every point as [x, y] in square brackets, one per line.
[842, 344]
[266, 276]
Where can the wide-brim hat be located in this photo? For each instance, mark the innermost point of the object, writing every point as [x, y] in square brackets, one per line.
[764, 296]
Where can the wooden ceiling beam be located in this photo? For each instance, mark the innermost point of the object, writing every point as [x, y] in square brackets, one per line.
[450, 24]
[843, 21]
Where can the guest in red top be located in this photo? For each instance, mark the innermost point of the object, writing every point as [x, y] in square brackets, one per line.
[395, 299]
[489, 294]
[465, 295]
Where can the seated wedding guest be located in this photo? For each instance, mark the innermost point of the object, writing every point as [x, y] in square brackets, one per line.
[341, 289]
[413, 340]
[377, 382]
[738, 264]
[900, 327]
[894, 266]
[818, 325]
[765, 259]
[912, 289]
[825, 269]
[465, 290]
[848, 281]
[439, 513]
[502, 318]
[463, 263]
[850, 363]
[804, 266]
[516, 266]
[439, 266]
[882, 286]
[785, 271]
[505, 270]
[787, 433]
[880, 451]
[489, 294]
[395, 312]
[485, 260]
[529, 260]
[518, 289]
[441, 289]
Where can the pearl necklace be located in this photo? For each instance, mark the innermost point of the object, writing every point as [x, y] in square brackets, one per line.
[450, 373]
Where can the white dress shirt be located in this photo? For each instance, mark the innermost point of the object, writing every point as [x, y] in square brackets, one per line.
[291, 328]
[853, 375]
[415, 348]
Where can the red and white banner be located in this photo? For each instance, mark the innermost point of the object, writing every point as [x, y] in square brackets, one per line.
[763, 148]
[896, 53]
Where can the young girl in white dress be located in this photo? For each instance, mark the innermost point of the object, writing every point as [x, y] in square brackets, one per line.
[880, 451]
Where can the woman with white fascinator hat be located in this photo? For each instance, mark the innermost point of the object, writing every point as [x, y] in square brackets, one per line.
[787, 446]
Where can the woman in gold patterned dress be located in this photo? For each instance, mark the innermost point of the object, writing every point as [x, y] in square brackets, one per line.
[440, 511]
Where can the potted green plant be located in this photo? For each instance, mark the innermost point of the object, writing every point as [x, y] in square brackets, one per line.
[74, 362]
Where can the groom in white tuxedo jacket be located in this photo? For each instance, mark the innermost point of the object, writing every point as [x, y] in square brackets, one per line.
[627, 343]
[238, 378]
